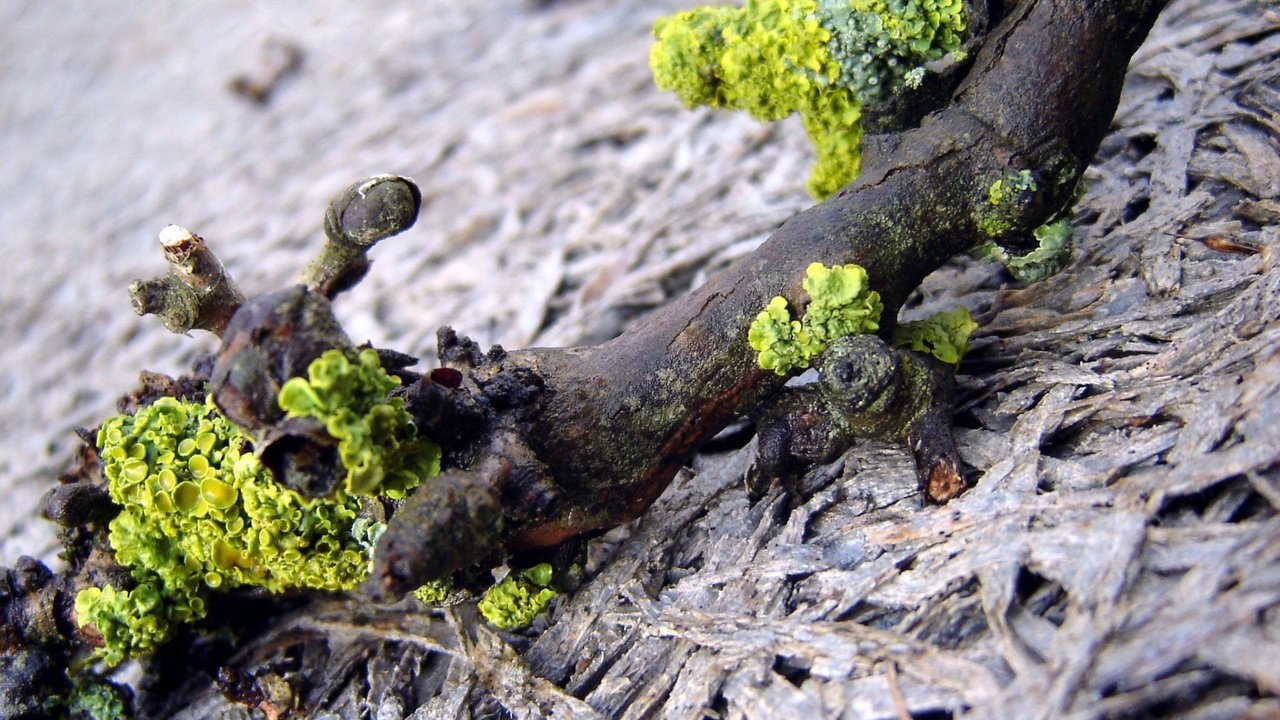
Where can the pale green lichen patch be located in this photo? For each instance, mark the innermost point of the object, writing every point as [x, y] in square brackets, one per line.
[1053, 252]
[518, 599]
[820, 59]
[1004, 215]
[944, 335]
[841, 302]
[1051, 255]
[878, 44]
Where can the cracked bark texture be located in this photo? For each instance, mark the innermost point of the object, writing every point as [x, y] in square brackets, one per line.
[1117, 557]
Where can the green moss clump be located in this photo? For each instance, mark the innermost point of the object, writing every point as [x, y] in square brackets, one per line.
[201, 513]
[841, 302]
[518, 599]
[377, 440]
[820, 59]
[944, 335]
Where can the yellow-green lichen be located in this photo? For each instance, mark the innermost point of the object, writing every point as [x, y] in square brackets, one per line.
[519, 598]
[841, 302]
[1003, 213]
[780, 342]
[820, 59]
[944, 335]
[378, 443]
[434, 592]
[201, 513]
[1004, 189]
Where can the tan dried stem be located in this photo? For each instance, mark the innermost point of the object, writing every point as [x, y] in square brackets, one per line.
[197, 294]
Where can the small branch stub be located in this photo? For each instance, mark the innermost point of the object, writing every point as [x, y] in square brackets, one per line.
[358, 218]
[197, 294]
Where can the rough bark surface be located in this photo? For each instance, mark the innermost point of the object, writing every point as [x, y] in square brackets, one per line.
[1118, 556]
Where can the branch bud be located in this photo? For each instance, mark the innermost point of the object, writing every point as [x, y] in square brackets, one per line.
[357, 218]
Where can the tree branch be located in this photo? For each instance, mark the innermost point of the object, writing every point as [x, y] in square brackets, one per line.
[614, 422]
